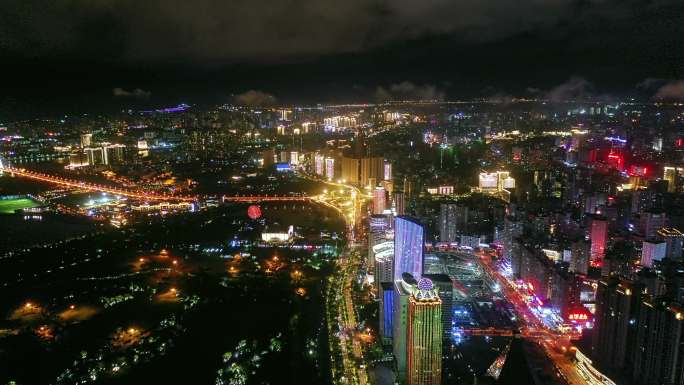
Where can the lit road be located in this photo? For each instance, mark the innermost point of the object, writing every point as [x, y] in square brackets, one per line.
[349, 367]
[533, 328]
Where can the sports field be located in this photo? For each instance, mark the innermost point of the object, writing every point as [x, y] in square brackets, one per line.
[7, 206]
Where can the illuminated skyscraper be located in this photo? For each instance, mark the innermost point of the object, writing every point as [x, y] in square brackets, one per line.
[399, 203]
[388, 171]
[330, 168]
[652, 250]
[674, 240]
[319, 165]
[424, 335]
[598, 236]
[379, 200]
[674, 176]
[86, 140]
[386, 295]
[409, 240]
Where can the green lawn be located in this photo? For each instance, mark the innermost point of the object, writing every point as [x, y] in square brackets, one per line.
[7, 206]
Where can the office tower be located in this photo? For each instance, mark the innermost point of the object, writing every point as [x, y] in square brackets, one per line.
[399, 203]
[386, 295]
[424, 335]
[598, 235]
[579, 257]
[674, 175]
[674, 240]
[86, 140]
[379, 200]
[330, 168]
[652, 250]
[659, 344]
[409, 240]
[445, 288]
[650, 222]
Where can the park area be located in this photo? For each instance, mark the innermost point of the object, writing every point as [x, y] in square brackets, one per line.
[9, 206]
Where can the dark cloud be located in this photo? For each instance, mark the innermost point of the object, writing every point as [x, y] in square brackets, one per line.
[211, 31]
[673, 90]
[406, 90]
[650, 84]
[136, 93]
[574, 88]
[254, 98]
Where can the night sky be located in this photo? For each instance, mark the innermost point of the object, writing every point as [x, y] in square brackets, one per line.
[90, 55]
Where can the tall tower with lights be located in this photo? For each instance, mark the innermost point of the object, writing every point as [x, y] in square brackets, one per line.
[424, 335]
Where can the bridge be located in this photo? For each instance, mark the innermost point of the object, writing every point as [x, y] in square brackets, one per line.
[73, 183]
[144, 195]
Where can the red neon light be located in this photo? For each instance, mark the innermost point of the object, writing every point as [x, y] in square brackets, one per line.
[578, 317]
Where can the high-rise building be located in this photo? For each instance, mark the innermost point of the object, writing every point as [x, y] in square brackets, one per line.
[95, 155]
[372, 168]
[674, 240]
[330, 168]
[386, 295]
[512, 229]
[377, 227]
[424, 335]
[674, 175]
[453, 219]
[650, 222]
[113, 153]
[319, 164]
[86, 140]
[409, 242]
[384, 259]
[399, 203]
[598, 236]
[285, 114]
[652, 250]
[579, 257]
[351, 170]
[659, 348]
[614, 334]
[379, 200]
[388, 171]
[402, 291]
[445, 288]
